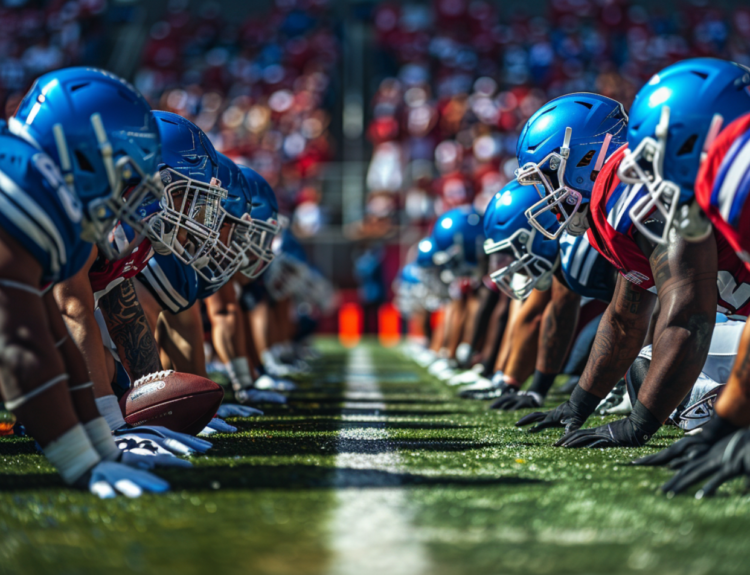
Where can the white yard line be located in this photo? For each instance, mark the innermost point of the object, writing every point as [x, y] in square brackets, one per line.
[371, 530]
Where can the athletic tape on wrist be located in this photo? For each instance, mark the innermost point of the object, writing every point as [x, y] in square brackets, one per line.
[101, 438]
[21, 286]
[19, 401]
[239, 367]
[72, 454]
[109, 408]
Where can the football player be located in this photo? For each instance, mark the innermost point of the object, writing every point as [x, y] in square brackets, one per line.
[79, 155]
[100, 303]
[169, 288]
[681, 276]
[720, 191]
[568, 269]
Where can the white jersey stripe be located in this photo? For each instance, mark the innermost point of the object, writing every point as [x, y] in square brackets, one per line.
[31, 228]
[734, 175]
[589, 265]
[25, 201]
[156, 285]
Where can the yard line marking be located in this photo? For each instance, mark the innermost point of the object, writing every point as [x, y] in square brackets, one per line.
[371, 530]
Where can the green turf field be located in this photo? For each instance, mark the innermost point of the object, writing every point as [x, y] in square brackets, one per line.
[376, 468]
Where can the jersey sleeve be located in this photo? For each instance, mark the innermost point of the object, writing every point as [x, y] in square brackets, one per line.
[612, 232]
[38, 210]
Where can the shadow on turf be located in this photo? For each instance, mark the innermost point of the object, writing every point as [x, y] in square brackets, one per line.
[296, 477]
[285, 446]
[335, 424]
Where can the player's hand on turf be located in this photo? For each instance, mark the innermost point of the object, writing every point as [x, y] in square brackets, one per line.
[217, 425]
[571, 415]
[516, 401]
[106, 479]
[692, 446]
[251, 395]
[727, 459]
[237, 410]
[177, 443]
[633, 431]
[146, 454]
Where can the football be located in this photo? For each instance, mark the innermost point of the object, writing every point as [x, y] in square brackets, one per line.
[178, 401]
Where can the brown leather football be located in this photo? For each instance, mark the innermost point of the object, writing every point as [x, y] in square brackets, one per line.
[178, 401]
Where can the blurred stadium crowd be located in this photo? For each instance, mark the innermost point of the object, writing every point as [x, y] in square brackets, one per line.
[261, 88]
[460, 81]
[453, 81]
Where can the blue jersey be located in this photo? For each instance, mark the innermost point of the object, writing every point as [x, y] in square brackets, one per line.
[175, 285]
[38, 210]
[585, 270]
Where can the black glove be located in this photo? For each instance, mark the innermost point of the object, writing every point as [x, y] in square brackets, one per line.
[571, 415]
[727, 459]
[633, 431]
[516, 401]
[692, 446]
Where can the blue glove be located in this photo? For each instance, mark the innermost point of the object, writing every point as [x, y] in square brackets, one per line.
[237, 410]
[106, 479]
[173, 441]
[251, 395]
[221, 426]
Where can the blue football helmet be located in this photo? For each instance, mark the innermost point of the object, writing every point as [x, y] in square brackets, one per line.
[189, 221]
[263, 226]
[289, 271]
[425, 251]
[98, 129]
[534, 256]
[674, 119]
[435, 290]
[561, 151]
[458, 237]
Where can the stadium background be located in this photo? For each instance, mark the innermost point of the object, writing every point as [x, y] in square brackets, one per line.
[368, 118]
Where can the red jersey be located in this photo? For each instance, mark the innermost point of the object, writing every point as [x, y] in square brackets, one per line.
[105, 274]
[612, 234]
[723, 184]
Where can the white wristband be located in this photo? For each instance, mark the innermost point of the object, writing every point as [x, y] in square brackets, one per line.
[72, 454]
[101, 438]
[110, 410]
[239, 373]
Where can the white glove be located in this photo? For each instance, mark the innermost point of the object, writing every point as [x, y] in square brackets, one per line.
[107, 479]
[237, 410]
[173, 441]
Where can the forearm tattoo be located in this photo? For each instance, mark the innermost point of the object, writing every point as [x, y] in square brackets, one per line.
[129, 329]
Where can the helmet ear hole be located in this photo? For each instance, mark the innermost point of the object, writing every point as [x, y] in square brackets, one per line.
[83, 162]
[586, 160]
[688, 145]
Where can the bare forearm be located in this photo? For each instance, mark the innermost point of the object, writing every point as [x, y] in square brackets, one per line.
[619, 338]
[130, 331]
[559, 324]
[679, 354]
[734, 404]
[85, 334]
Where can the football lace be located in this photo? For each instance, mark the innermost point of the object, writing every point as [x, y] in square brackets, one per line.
[153, 376]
